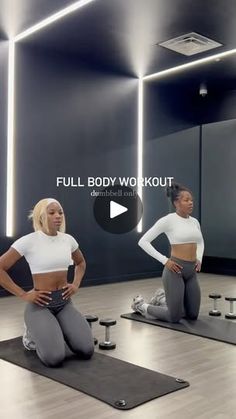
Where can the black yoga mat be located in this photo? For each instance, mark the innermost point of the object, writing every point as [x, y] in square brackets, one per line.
[118, 383]
[206, 327]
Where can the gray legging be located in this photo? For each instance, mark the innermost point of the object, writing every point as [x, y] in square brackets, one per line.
[54, 326]
[183, 295]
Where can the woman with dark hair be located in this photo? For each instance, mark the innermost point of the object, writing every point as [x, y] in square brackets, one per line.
[182, 291]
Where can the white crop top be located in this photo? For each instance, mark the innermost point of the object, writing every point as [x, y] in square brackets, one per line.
[46, 253]
[179, 230]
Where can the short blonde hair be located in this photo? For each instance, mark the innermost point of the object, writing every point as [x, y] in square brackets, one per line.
[39, 215]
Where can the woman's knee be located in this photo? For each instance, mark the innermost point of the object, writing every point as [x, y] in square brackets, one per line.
[85, 349]
[192, 312]
[88, 353]
[175, 317]
[192, 316]
[50, 357]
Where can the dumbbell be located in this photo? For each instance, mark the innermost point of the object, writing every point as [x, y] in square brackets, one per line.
[107, 344]
[231, 314]
[215, 311]
[91, 319]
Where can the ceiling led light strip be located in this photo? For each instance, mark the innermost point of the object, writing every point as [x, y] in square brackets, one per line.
[53, 18]
[189, 65]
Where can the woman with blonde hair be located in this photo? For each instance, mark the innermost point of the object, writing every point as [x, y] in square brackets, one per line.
[51, 319]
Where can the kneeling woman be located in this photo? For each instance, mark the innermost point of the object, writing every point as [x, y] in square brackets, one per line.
[182, 291]
[50, 317]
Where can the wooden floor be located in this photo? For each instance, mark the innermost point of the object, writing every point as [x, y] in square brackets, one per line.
[209, 366]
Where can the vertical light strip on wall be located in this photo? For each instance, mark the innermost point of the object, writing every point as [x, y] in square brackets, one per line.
[140, 143]
[11, 103]
[10, 140]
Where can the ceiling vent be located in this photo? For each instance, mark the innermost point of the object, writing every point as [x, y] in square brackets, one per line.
[190, 44]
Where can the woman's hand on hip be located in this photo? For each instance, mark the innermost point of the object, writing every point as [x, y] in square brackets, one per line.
[69, 290]
[41, 298]
[198, 266]
[174, 266]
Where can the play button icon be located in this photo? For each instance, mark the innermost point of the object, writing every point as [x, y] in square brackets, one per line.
[117, 209]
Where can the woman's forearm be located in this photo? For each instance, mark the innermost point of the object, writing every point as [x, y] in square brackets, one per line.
[148, 248]
[79, 273]
[200, 250]
[9, 285]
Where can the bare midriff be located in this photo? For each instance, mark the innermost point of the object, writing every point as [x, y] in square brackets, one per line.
[50, 281]
[185, 251]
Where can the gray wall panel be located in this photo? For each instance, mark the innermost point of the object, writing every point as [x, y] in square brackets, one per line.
[72, 120]
[175, 155]
[218, 188]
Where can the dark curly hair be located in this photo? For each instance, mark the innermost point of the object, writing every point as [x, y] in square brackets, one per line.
[173, 192]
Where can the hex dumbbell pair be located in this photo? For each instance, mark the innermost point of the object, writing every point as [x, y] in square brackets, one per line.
[91, 319]
[215, 297]
[231, 314]
[215, 312]
[106, 344]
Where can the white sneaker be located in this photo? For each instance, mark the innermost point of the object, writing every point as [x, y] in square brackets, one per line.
[27, 340]
[137, 304]
[159, 298]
